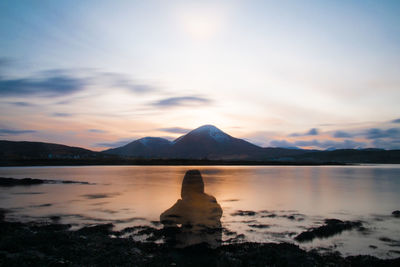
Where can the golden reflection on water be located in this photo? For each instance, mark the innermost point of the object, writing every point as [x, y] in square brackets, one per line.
[150, 190]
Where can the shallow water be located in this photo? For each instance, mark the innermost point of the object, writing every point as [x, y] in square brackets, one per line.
[286, 200]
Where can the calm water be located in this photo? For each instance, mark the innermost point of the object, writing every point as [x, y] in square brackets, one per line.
[137, 195]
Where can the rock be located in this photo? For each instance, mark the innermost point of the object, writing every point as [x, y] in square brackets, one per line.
[396, 213]
[259, 226]
[25, 181]
[244, 213]
[103, 229]
[27, 244]
[4, 181]
[330, 228]
[3, 213]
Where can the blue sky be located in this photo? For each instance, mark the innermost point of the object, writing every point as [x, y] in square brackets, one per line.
[105, 72]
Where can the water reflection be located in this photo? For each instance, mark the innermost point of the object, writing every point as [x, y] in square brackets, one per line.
[130, 196]
[194, 219]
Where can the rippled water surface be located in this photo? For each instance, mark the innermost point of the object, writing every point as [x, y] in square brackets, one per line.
[285, 200]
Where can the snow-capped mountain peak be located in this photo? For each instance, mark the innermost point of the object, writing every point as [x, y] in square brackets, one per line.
[213, 132]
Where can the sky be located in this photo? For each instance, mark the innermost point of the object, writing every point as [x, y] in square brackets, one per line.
[99, 74]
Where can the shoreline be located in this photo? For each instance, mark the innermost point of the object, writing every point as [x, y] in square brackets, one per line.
[46, 244]
[161, 162]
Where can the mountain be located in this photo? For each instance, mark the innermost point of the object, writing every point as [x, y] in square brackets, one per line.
[147, 147]
[205, 142]
[210, 142]
[40, 150]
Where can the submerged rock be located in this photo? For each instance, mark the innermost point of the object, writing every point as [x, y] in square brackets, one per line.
[25, 181]
[4, 181]
[244, 213]
[330, 228]
[259, 226]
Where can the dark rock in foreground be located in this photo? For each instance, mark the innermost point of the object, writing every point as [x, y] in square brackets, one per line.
[35, 244]
[396, 213]
[330, 228]
[244, 213]
[24, 181]
[30, 181]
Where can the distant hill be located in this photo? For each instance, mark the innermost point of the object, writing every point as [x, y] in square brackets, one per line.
[210, 143]
[351, 156]
[38, 150]
[200, 146]
[205, 142]
[147, 147]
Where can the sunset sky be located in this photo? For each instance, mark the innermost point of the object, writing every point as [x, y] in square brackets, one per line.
[98, 74]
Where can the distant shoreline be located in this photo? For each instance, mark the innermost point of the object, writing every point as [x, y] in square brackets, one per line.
[158, 162]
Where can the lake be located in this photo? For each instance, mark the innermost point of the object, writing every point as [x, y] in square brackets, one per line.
[286, 200]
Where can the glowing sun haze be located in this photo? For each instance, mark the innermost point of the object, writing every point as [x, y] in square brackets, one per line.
[98, 74]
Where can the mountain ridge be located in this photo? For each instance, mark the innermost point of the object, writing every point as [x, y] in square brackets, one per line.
[206, 143]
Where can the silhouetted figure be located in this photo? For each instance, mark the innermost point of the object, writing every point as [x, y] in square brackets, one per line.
[194, 219]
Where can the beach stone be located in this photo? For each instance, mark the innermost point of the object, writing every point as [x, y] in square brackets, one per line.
[330, 228]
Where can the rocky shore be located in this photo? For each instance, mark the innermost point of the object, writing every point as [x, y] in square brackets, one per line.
[50, 244]
[9, 182]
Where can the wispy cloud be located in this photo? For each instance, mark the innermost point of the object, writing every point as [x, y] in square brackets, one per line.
[5, 62]
[319, 144]
[133, 87]
[60, 114]
[96, 131]
[312, 131]
[59, 82]
[21, 104]
[376, 133]
[181, 101]
[174, 130]
[4, 132]
[342, 134]
[118, 80]
[49, 86]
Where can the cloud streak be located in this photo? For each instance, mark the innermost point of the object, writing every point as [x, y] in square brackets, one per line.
[181, 101]
[312, 131]
[21, 104]
[62, 82]
[118, 80]
[175, 130]
[376, 133]
[5, 132]
[51, 86]
[96, 131]
[342, 134]
[320, 144]
[60, 114]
